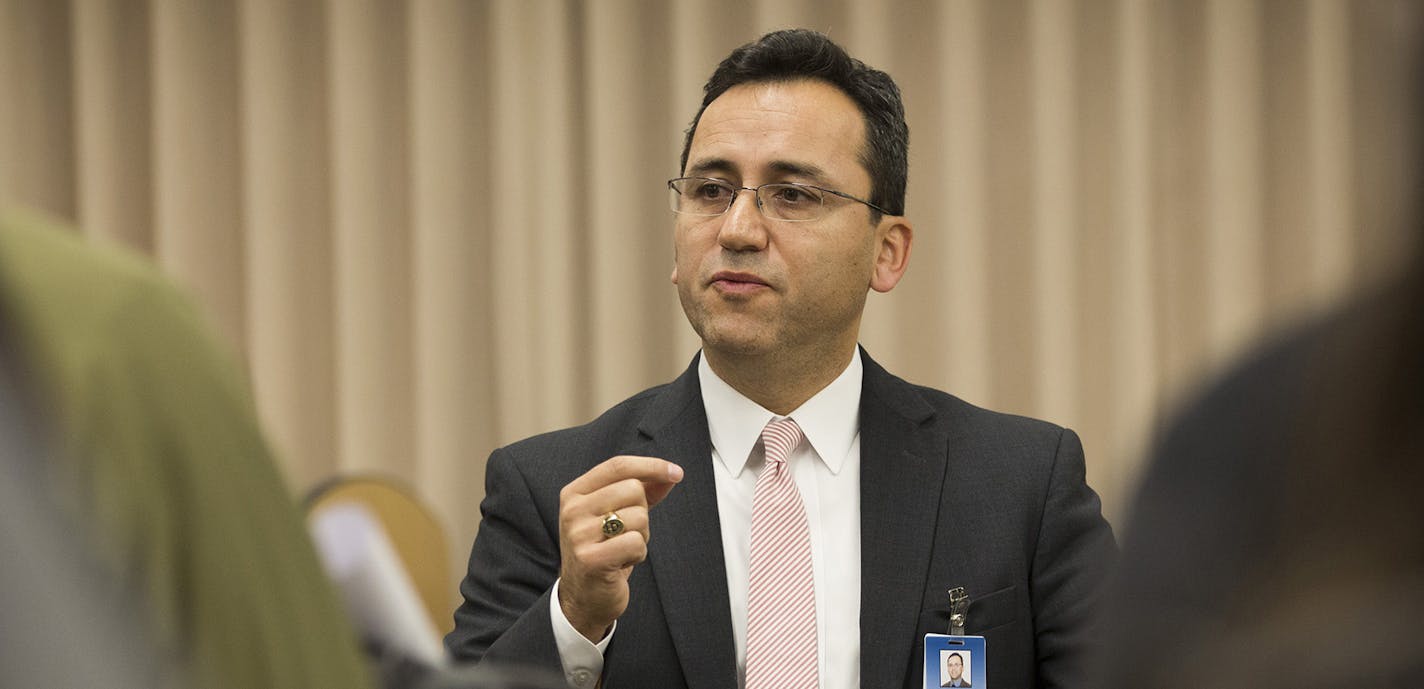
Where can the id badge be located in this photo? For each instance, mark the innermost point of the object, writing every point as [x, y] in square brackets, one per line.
[955, 661]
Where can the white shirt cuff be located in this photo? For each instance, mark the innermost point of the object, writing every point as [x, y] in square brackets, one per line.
[582, 659]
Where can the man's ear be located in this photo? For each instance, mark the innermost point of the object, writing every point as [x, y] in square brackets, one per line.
[674, 272]
[892, 257]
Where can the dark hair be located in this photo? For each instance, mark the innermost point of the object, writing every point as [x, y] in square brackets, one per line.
[803, 54]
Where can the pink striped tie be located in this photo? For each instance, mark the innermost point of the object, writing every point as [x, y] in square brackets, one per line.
[781, 597]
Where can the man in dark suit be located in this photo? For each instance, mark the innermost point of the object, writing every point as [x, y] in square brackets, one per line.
[790, 210]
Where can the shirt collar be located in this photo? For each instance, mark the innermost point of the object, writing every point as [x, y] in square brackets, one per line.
[830, 419]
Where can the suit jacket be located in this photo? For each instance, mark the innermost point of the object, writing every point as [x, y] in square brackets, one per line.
[951, 495]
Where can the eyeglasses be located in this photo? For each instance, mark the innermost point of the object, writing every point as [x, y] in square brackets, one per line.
[787, 201]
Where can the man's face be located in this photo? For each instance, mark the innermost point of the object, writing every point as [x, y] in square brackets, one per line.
[955, 666]
[754, 286]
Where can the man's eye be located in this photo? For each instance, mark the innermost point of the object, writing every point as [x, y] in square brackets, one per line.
[794, 196]
[710, 191]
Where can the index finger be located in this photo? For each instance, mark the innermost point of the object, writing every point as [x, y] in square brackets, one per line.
[657, 475]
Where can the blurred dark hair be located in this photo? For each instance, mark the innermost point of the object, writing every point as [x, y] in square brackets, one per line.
[795, 54]
[1361, 428]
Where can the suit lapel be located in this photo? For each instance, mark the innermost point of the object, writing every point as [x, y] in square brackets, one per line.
[902, 476]
[685, 553]
[899, 459]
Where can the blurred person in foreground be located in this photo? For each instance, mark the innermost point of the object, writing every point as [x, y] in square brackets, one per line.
[786, 512]
[150, 445]
[63, 624]
[1277, 539]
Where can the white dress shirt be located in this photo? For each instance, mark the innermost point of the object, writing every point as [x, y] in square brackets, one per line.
[827, 472]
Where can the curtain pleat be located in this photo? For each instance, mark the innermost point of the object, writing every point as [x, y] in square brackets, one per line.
[457, 409]
[113, 114]
[197, 167]
[372, 247]
[37, 138]
[287, 211]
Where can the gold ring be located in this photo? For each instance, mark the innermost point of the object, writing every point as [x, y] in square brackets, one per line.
[612, 525]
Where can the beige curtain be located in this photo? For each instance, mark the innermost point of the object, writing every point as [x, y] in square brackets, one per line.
[432, 227]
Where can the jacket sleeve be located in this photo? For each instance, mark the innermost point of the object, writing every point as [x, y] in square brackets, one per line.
[504, 616]
[1074, 556]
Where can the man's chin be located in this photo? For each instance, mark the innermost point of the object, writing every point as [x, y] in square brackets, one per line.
[742, 341]
[733, 333]
[740, 347]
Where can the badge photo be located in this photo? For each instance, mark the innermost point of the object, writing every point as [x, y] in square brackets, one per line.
[955, 661]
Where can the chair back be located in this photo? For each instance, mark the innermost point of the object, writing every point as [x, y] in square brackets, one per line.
[413, 529]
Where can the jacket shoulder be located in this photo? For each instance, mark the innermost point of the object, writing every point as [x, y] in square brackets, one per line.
[985, 425]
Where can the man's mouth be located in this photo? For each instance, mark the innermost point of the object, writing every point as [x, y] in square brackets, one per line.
[737, 283]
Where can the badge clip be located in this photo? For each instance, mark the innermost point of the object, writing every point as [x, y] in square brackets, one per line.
[958, 610]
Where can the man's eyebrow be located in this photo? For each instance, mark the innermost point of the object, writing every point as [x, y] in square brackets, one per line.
[711, 166]
[807, 170]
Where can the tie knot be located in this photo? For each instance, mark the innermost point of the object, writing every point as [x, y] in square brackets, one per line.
[779, 438]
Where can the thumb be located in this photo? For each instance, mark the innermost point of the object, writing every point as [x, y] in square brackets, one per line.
[655, 491]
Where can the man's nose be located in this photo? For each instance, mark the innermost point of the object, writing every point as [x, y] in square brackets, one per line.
[743, 225]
